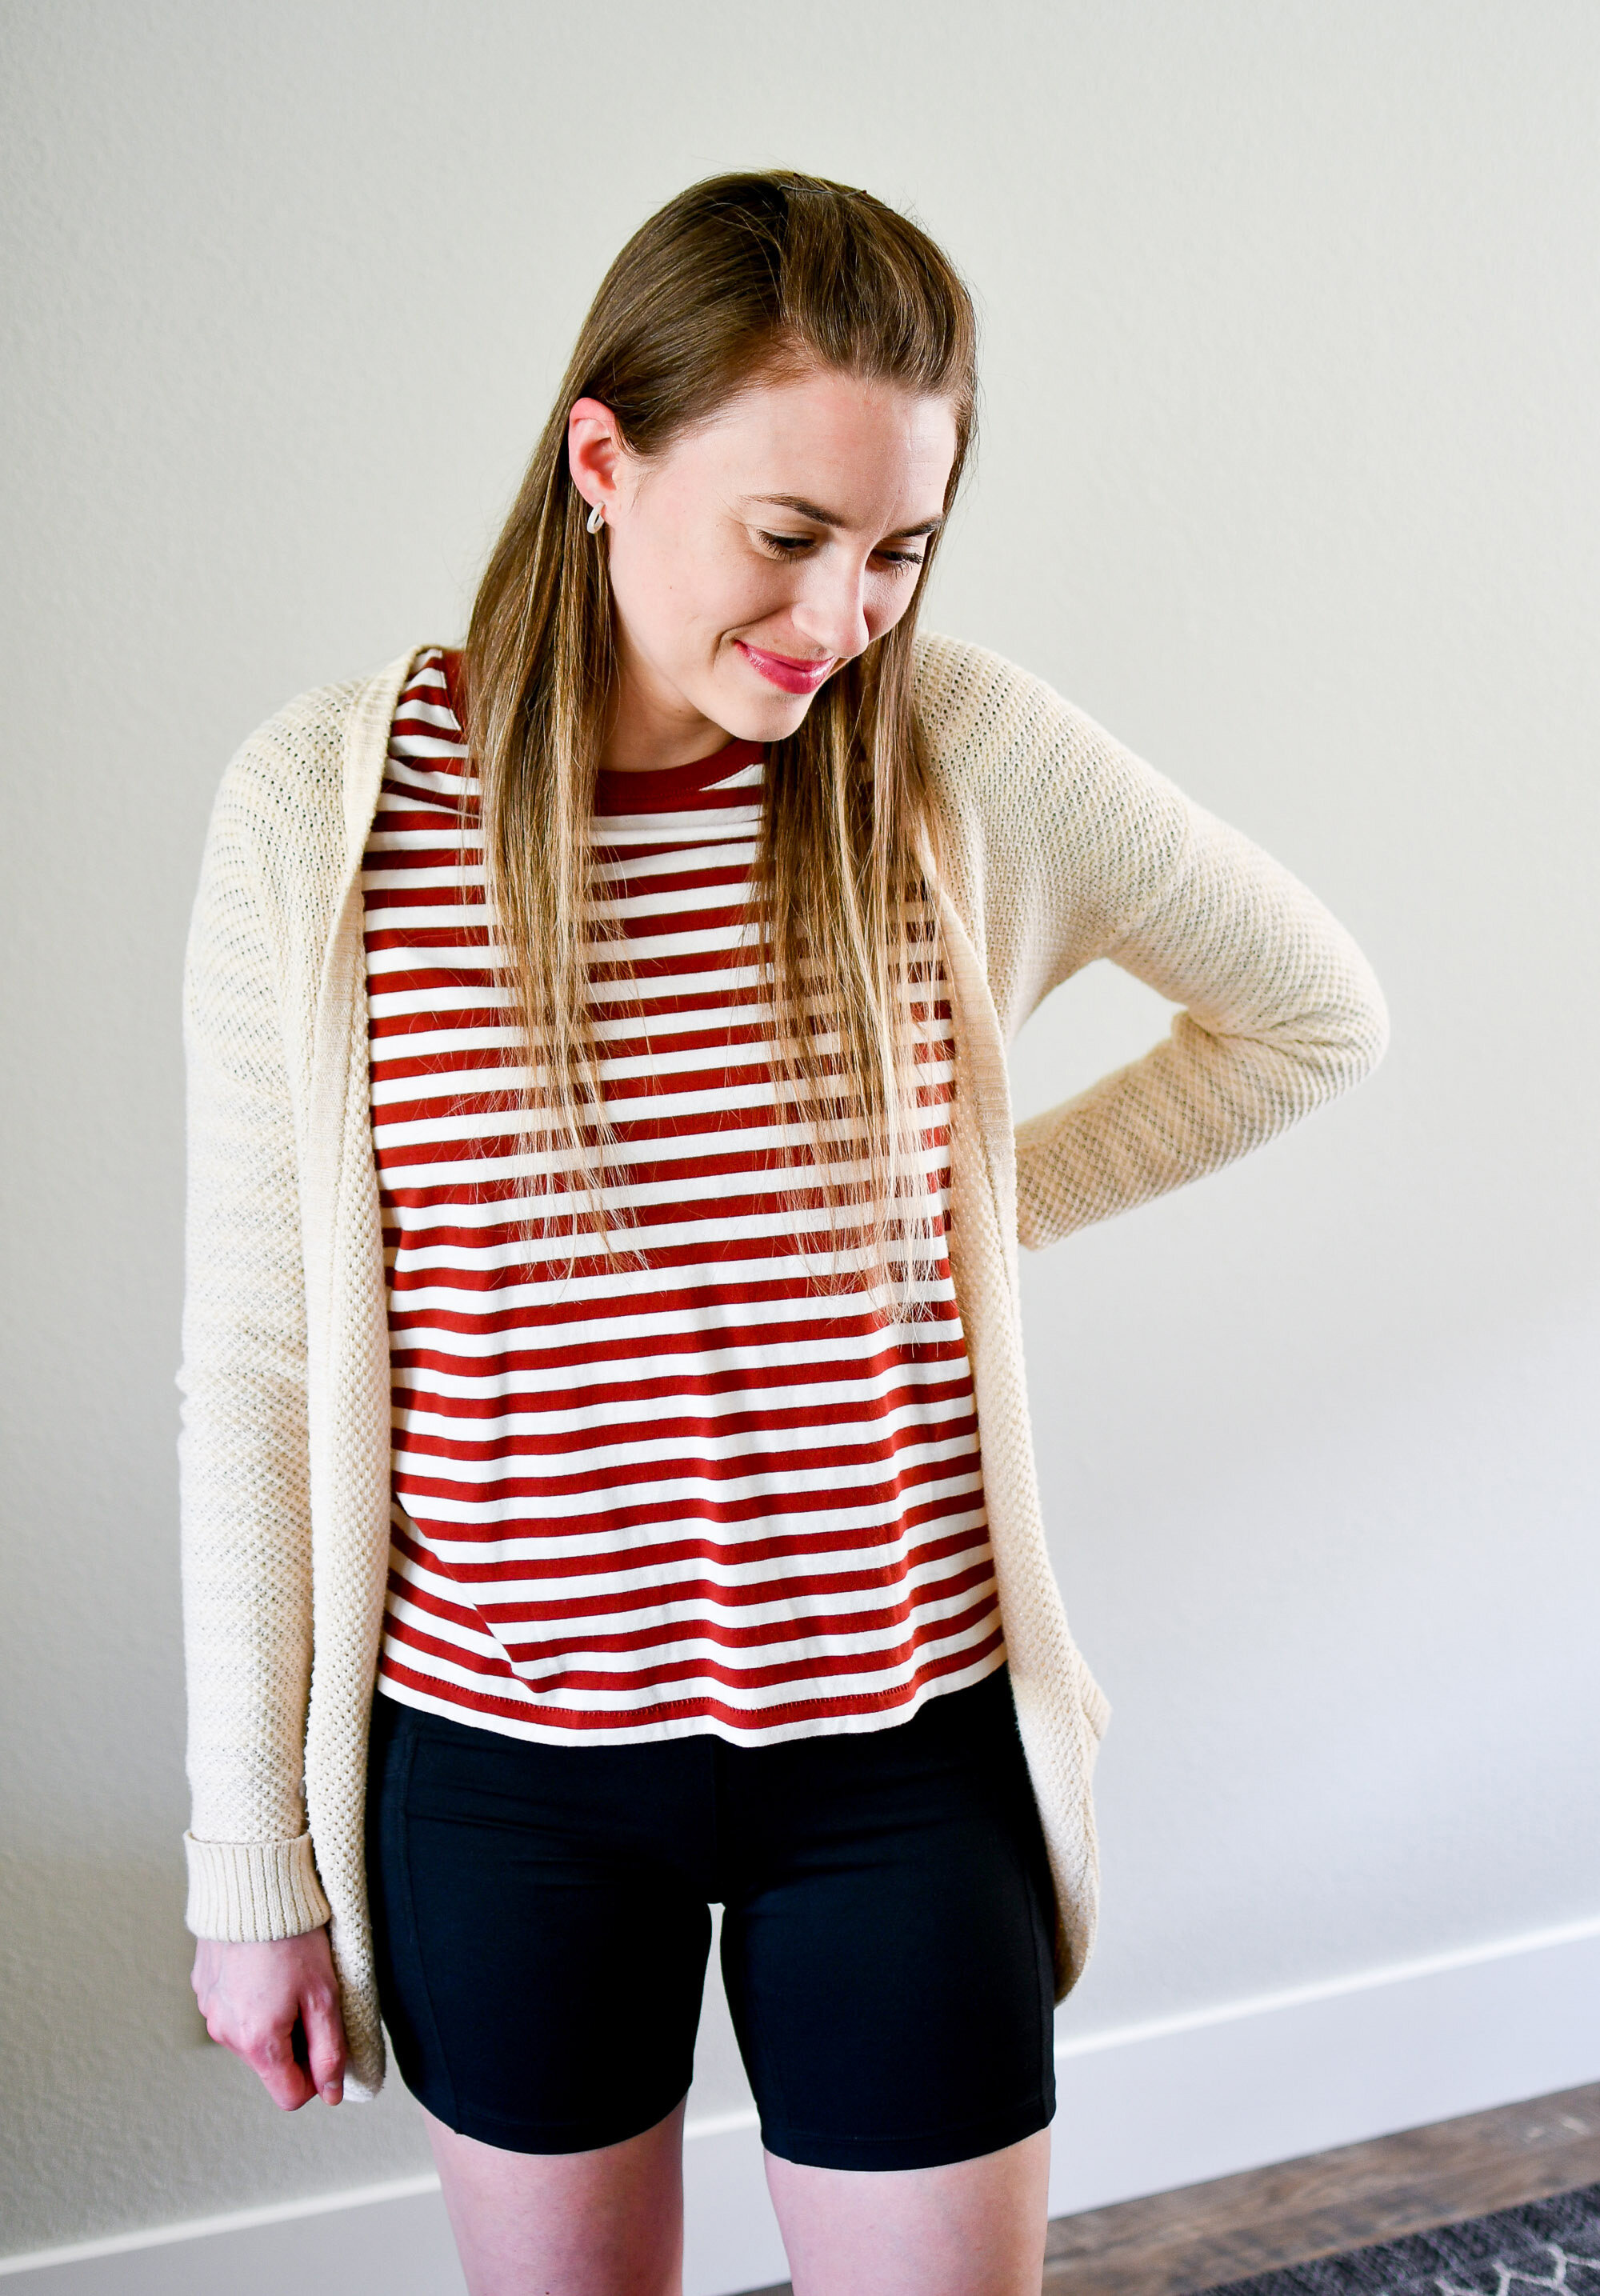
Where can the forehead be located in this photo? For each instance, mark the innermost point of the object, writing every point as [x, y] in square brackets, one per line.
[865, 449]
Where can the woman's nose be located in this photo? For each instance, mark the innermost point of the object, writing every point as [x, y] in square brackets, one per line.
[831, 611]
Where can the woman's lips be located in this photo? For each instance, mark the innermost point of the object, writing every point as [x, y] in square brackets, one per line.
[783, 670]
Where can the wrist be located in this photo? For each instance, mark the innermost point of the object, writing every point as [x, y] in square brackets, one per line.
[253, 1892]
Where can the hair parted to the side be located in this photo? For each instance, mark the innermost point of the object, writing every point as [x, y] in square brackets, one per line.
[738, 278]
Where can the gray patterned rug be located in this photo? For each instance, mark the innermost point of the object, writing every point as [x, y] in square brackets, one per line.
[1553, 2244]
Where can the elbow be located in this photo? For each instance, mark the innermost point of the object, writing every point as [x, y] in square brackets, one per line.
[1368, 1029]
[1342, 1028]
[1341, 1045]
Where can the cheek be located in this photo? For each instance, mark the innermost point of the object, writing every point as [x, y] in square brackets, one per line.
[679, 593]
[716, 591]
[647, 579]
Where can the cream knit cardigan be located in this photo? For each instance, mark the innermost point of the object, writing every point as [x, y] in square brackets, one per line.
[1061, 847]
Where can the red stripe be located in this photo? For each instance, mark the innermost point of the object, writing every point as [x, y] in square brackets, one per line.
[747, 1554]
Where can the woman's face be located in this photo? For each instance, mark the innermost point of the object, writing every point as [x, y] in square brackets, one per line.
[759, 553]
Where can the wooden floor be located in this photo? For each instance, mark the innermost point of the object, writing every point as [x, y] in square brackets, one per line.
[1178, 2243]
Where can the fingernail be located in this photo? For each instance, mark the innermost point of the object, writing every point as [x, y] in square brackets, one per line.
[333, 2092]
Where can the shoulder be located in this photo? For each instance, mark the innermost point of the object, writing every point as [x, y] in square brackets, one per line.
[288, 823]
[993, 727]
[1027, 781]
[286, 796]
[971, 699]
[292, 767]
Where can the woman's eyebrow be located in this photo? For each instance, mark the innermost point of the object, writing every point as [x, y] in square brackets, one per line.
[821, 517]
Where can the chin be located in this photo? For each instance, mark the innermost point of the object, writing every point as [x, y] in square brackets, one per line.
[752, 717]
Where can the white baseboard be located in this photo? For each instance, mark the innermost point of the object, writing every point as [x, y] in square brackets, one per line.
[1143, 2108]
[1147, 2108]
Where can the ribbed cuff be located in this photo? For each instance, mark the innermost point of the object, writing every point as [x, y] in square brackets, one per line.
[250, 1892]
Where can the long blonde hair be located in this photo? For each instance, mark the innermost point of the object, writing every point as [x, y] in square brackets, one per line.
[737, 278]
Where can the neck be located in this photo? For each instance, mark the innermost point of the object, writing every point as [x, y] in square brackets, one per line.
[650, 727]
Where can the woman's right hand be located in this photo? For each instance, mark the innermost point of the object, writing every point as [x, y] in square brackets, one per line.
[276, 2006]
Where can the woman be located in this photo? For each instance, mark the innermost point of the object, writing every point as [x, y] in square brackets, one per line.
[602, 1337]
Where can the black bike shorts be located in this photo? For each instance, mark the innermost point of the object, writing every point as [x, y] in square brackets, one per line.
[543, 1926]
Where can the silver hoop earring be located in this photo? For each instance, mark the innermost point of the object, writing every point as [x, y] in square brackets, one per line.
[595, 518]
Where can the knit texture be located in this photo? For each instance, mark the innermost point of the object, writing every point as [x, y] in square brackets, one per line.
[1060, 847]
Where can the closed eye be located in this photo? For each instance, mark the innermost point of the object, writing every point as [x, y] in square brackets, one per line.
[792, 545]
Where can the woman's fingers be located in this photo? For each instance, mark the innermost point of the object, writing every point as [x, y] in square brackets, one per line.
[276, 2006]
[286, 2081]
[324, 2041]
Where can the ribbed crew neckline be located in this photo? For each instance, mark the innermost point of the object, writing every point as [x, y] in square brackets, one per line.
[668, 789]
[671, 788]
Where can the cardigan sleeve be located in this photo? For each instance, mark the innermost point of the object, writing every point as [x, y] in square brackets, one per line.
[246, 1541]
[1281, 1011]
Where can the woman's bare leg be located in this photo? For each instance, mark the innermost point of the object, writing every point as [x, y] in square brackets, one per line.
[976, 2228]
[609, 2223]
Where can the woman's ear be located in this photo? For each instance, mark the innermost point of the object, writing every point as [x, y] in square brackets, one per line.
[594, 453]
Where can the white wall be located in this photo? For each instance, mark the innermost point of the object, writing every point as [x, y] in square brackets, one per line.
[1288, 475]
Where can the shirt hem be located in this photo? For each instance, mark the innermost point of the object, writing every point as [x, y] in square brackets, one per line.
[851, 1723]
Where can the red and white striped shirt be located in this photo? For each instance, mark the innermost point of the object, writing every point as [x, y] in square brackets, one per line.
[639, 1503]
